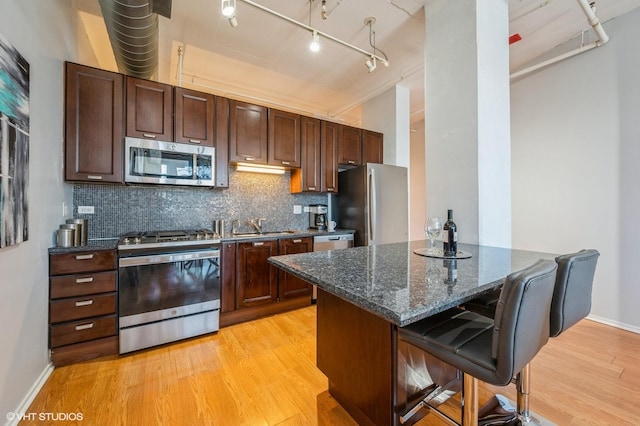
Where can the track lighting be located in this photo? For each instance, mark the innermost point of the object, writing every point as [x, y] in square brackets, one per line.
[323, 11]
[229, 11]
[371, 63]
[315, 42]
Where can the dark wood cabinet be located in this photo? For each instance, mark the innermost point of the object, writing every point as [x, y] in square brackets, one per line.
[289, 286]
[256, 278]
[284, 139]
[329, 157]
[222, 142]
[82, 306]
[349, 145]
[307, 177]
[94, 131]
[228, 277]
[247, 132]
[149, 109]
[372, 144]
[194, 117]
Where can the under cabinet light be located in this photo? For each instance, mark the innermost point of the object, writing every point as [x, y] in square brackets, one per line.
[259, 168]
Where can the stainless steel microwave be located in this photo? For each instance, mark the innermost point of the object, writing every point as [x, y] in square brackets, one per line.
[168, 163]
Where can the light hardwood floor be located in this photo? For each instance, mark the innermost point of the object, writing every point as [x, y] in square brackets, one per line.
[263, 373]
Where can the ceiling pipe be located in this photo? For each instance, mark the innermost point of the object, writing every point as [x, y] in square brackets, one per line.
[133, 31]
[603, 38]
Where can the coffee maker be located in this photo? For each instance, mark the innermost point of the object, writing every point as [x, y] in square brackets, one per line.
[318, 216]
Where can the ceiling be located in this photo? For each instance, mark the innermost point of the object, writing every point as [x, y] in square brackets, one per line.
[266, 60]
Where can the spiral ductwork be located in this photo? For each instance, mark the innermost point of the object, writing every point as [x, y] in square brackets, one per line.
[132, 26]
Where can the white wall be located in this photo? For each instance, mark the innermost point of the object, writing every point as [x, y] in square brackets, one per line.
[43, 33]
[575, 165]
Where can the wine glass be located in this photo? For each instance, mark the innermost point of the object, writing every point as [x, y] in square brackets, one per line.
[432, 227]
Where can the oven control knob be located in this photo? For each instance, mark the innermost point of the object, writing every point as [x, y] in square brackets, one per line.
[126, 240]
[198, 236]
[136, 240]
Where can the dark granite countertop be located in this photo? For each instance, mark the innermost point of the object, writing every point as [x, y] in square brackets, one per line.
[394, 283]
[106, 244]
[288, 234]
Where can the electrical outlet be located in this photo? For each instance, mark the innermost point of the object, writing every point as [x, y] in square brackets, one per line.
[86, 210]
[65, 210]
[297, 209]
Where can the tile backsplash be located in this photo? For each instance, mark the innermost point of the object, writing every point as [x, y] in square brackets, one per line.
[119, 209]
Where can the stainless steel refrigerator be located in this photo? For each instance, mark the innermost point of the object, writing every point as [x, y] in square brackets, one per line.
[373, 200]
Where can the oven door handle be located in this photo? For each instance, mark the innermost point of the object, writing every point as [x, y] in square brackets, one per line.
[167, 258]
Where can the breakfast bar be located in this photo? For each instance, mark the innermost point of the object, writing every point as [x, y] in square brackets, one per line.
[366, 293]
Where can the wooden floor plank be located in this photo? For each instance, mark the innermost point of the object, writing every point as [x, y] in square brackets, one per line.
[264, 373]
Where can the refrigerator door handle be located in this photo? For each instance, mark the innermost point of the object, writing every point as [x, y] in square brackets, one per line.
[372, 205]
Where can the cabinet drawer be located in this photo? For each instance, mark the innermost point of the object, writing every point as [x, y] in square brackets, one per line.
[82, 284]
[83, 351]
[82, 307]
[81, 331]
[79, 262]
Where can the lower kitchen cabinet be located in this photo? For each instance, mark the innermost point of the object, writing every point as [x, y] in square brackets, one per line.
[289, 286]
[252, 287]
[82, 306]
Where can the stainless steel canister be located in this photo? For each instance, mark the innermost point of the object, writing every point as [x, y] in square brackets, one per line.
[84, 229]
[64, 237]
[218, 227]
[76, 232]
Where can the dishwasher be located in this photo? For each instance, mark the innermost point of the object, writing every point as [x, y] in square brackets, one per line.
[330, 242]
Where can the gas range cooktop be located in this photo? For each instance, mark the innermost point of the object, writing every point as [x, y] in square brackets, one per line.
[156, 239]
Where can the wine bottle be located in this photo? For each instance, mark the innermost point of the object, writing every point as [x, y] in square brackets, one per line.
[450, 238]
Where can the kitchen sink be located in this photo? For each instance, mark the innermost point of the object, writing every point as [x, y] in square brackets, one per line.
[261, 234]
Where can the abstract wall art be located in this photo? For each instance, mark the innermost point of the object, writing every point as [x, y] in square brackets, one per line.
[14, 145]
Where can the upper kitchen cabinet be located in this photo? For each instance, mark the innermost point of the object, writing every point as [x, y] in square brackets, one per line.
[329, 157]
[94, 131]
[372, 143]
[222, 142]
[284, 139]
[149, 109]
[194, 114]
[349, 145]
[308, 177]
[247, 132]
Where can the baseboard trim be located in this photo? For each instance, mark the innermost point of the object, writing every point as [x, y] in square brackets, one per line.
[615, 324]
[30, 396]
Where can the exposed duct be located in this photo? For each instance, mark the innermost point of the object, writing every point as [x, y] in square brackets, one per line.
[132, 26]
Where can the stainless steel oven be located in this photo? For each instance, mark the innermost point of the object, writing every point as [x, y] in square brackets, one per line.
[168, 290]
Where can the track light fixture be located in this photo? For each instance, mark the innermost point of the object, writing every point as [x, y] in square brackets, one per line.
[315, 42]
[229, 11]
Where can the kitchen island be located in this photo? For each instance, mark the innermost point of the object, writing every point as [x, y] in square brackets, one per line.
[366, 293]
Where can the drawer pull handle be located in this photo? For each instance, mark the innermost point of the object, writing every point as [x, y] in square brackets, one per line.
[258, 244]
[331, 189]
[94, 177]
[84, 280]
[312, 188]
[84, 303]
[194, 141]
[149, 135]
[286, 163]
[297, 241]
[84, 257]
[84, 326]
[249, 158]
[351, 162]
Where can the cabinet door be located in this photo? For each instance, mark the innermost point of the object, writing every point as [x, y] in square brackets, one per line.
[329, 157]
[372, 147]
[247, 132]
[307, 177]
[284, 138]
[149, 109]
[349, 145]
[194, 113]
[222, 142]
[256, 278]
[228, 277]
[94, 108]
[289, 286]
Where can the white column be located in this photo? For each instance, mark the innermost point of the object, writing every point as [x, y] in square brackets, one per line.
[468, 160]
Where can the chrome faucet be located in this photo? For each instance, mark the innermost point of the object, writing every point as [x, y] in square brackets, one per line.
[234, 226]
[257, 224]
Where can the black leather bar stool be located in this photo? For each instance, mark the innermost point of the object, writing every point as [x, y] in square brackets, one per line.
[491, 350]
[571, 302]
